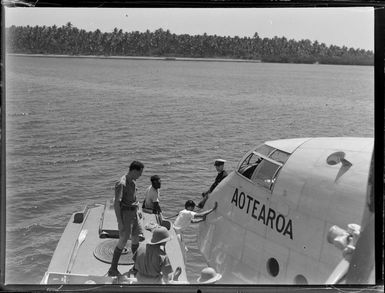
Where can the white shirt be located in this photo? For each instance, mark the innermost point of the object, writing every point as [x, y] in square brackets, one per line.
[184, 219]
[152, 195]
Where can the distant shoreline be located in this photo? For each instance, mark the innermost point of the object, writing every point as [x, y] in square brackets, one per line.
[137, 58]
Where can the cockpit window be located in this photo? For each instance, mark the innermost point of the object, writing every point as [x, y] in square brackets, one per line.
[279, 156]
[263, 170]
[265, 173]
[264, 149]
[249, 164]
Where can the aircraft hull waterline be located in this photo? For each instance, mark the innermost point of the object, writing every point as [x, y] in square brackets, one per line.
[271, 226]
[88, 260]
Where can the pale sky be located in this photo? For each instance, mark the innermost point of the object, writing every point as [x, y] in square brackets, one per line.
[350, 27]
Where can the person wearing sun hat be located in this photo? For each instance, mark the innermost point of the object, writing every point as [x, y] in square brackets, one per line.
[151, 261]
[209, 276]
[219, 166]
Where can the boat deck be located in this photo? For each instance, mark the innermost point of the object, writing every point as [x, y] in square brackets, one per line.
[70, 258]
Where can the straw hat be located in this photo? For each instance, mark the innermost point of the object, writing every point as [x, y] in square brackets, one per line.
[208, 275]
[160, 235]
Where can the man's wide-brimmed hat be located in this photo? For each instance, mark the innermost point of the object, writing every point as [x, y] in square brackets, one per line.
[219, 162]
[208, 275]
[160, 235]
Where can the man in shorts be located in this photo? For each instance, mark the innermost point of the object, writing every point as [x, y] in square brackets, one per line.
[126, 210]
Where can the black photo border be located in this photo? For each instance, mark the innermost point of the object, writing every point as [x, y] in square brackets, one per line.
[379, 96]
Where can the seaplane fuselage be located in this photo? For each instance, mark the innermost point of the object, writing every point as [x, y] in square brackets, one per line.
[276, 209]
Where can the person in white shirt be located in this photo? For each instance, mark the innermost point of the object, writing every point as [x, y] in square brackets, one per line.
[188, 216]
[151, 200]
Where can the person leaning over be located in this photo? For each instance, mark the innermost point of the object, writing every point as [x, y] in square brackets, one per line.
[188, 216]
[151, 261]
[126, 210]
[219, 166]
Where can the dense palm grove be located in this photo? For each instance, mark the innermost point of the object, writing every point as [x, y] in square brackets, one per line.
[69, 40]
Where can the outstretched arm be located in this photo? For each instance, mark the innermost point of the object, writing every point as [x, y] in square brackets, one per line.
[197, 220]
[205, 213]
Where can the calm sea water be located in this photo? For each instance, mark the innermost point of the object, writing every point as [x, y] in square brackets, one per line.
[74, 125]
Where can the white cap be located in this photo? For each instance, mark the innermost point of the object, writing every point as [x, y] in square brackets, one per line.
[219, 162]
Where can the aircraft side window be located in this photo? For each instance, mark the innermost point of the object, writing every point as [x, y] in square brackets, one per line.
[279, 156]
[249, 165]
[245, 164]
[265, 174]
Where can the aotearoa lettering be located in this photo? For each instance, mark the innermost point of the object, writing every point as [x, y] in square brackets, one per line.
[258, 211]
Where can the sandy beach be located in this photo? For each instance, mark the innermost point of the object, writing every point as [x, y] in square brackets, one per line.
[137, 58]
